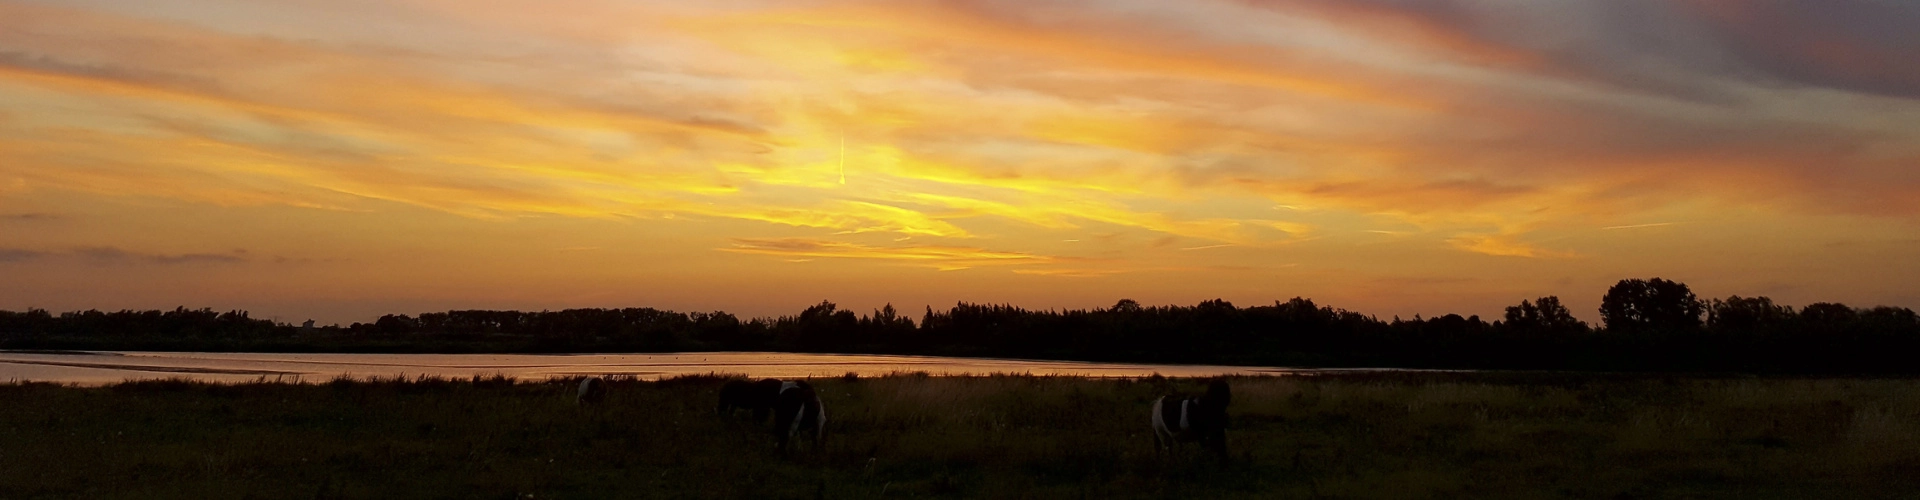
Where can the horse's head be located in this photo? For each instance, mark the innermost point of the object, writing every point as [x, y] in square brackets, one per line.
[730, 395]
[1218, 395]
[592, 390]
[1214, 411]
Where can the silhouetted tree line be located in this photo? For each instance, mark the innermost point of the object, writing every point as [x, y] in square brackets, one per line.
[1649, 325]
[158, 325]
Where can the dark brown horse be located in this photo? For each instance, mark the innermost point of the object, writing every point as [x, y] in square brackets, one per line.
[1178, 419]
[755, 396]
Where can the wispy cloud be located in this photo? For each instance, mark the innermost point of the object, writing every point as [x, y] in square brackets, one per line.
[1072, 273]
[1504, 246]
[946, 258]
[1638, 226]
[448, 131]
[18, 255]
[30, 217]
[117, 255]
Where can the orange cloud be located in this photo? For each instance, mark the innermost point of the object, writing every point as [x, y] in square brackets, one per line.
[945, 258]
[1054, 134]
[1504, 245]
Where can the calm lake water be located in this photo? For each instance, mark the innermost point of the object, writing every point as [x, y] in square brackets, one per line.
[105, 367]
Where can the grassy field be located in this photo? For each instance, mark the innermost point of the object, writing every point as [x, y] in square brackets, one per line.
[1372, 436]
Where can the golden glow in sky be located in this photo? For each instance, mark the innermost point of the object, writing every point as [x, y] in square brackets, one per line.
[339, 159]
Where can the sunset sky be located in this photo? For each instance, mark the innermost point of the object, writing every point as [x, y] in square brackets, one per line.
[341, 159]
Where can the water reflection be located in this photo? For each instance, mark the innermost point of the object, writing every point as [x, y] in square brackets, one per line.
[96, 368]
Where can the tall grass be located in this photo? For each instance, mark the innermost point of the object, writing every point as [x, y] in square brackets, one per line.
[1005, 436]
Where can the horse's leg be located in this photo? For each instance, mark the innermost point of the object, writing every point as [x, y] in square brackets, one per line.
[820, 434]
[1159, 428]
[819, 425]
[1220, 444]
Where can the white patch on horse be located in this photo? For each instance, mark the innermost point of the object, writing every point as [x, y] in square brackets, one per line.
[1160, 421]
[592, 390]
[786, 386]
[795, 426]
[820, 427]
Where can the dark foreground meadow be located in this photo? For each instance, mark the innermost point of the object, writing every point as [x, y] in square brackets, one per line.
[1367, 436]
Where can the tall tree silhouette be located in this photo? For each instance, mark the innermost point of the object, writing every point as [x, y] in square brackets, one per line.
[1742, 314]
[1542, 316]
[1655, 304]
[1828, 314]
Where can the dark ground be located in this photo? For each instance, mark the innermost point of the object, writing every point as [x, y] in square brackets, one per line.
[1372, 436]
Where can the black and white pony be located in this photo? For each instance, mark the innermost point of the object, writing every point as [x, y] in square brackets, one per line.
[798, 409]
[795, 407]
[755, 396]
[593, 390]
[1178, 419]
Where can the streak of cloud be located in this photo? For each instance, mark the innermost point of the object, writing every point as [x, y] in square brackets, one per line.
[116, 255]
[945, 258]
[1638, 226]
[30, 217]
[19, 255]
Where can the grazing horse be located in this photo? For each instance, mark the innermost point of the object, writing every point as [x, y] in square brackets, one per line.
[757, 396]
[593, 390]
[1203, 419]
[797, 408]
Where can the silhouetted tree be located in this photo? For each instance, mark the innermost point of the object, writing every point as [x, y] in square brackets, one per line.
[820, 327]
[391, 324]
[1543, 316]
[1889, 319]
[885, 326]
[1828, 314]
[718, 328]
[1737, 314]
[1657, 304]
